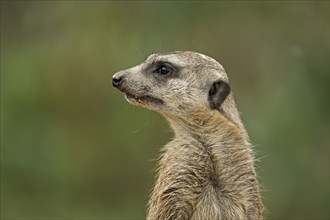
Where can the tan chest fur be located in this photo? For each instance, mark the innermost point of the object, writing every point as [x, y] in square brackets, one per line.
[206, 172]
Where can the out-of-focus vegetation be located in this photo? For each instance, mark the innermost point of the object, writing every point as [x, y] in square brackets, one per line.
[72, 147]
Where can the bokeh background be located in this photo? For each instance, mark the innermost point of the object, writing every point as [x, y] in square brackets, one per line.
[73, 148]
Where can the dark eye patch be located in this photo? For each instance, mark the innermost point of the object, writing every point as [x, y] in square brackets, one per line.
[164, 69]
[161, 70]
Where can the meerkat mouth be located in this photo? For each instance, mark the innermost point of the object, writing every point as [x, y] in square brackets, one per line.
[145, 99]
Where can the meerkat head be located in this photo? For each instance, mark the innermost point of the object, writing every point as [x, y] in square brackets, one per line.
[174, 83]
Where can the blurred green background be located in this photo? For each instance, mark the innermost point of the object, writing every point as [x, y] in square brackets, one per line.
[73, 148]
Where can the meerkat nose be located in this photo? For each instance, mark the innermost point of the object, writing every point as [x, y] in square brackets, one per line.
[117, 80]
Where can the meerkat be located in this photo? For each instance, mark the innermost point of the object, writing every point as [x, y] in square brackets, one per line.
[207, 170]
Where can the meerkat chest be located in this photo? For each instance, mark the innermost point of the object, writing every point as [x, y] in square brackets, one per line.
[187, 163]
[191, 169]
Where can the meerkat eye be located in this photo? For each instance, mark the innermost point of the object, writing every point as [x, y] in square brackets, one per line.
[164, 69]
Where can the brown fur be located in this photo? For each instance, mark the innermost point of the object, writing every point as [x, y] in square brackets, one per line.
[207, 171]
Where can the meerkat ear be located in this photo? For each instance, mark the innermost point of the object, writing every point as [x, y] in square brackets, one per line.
[218, 93]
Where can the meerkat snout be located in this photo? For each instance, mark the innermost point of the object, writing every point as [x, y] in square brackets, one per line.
[117, 80]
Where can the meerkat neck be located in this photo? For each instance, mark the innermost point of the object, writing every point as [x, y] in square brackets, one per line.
[230, 111]
[209, 123]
